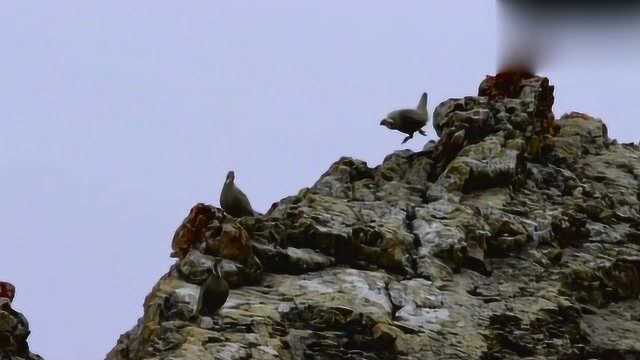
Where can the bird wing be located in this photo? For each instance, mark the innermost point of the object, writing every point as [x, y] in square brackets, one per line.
[243, 198]
[413, 119]
[422, 104]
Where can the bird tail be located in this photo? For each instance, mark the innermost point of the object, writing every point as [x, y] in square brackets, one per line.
[422, 105]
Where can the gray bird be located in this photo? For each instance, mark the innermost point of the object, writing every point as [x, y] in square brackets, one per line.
[408, 121]
[214, 292]
[233, 201]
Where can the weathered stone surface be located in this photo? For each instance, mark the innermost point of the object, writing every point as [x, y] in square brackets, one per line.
[579, 135]
[292, 260]
[513, 236]
[208, 232]
[483, 165]
[7, 291]
[14, 331]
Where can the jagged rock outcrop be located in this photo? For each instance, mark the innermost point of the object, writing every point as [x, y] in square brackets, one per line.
[14, 329]
[516, 235]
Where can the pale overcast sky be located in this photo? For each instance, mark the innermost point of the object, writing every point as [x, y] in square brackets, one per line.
[117, 116]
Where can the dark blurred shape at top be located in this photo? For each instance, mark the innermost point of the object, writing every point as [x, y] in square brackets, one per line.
[575, 7]
[535, 33]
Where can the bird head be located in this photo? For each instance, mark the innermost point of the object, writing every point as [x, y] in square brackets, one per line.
[388, 123]
[216, 267]
[231, 176]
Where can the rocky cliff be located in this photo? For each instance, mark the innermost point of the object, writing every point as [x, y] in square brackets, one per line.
[516, 235]
[14, 328]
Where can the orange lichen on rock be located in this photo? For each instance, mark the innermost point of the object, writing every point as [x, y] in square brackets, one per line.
[192, 229]
[7, 290]
[518, 82]
[233, 243]
[507, 84]
[211, 231]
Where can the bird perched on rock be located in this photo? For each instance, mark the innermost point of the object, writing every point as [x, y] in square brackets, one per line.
[233, 201]
[214, 292]
[408, 121]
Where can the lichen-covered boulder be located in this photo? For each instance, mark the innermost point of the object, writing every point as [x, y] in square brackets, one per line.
[480, 166]
[208, 232]
[7, 291]
[513, 236]
[14, 331]
[579, 134]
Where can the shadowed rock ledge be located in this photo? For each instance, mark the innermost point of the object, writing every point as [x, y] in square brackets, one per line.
[516, 235]
[14, 330]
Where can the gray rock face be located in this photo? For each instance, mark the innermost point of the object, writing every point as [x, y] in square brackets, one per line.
[513, 236]
[14, 331]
